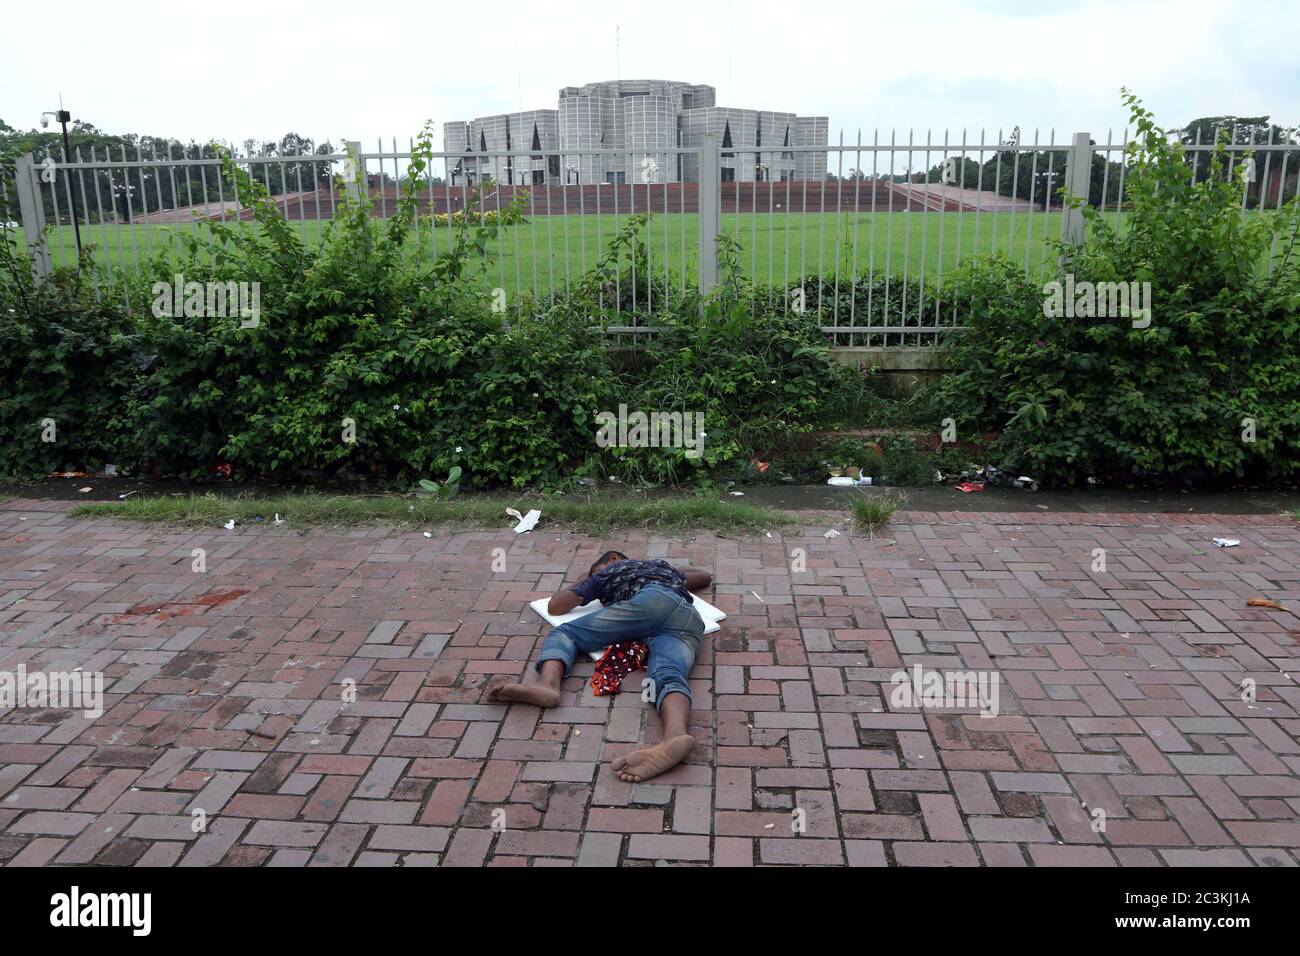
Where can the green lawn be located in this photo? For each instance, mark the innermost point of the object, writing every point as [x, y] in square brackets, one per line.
[550, 251]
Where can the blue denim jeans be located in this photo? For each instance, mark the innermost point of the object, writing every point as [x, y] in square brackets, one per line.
[663, 620]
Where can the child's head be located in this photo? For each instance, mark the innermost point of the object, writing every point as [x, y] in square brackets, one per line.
[606, 559]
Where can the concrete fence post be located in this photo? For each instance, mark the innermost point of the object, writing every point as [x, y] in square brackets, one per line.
[32, 210]
[1078, 180]
[354, 171]
[710, 196]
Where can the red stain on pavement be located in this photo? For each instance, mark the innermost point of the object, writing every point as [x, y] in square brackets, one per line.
[170, 609]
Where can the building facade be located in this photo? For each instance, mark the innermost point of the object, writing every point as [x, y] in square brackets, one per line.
[630, 131]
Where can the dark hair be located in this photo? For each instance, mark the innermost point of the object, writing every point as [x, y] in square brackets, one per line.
[607, 557]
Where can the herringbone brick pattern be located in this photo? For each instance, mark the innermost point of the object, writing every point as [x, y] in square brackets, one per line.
[1120, 691]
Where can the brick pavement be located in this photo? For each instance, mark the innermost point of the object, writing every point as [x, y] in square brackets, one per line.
[1119, 691]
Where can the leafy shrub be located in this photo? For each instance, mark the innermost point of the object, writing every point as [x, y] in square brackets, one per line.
[759, 377]
[1103, 396]
[362, 364]
[67, 360]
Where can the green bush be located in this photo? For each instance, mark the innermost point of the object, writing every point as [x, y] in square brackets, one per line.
[1103, 396]
[66, 365]
[367, 363]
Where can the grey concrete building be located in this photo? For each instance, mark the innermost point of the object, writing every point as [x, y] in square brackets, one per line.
[622, 131]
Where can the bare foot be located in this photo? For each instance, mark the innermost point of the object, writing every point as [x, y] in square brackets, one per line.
[649, 762]
[539, 695]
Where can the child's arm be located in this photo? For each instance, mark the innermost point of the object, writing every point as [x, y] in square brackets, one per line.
[563, 602]
[566, 599]
[696, 580]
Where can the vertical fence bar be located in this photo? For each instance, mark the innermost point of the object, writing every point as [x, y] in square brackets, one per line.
[871, 255]
[710, 212]
[1078, 169]
[32, 211]
[354, 171]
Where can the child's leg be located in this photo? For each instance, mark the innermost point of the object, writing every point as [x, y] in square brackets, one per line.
[626, 621]
[672, 654]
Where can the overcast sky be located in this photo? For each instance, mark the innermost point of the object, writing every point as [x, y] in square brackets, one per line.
[237, 70]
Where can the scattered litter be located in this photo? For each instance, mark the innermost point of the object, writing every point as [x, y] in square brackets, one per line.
[769, 826]
[110, 471]
[832, 533]
[1025, 483]
[229, 525]
[586, 482]
[969, 486]
[1265, 602]
[258, 519]
[737, 494]
[127, 495]
[846, 482]
[85, 489]
[278, 520]
[1226, 542]
[762, 466]
[67, 474]
[526, 522]
[1041, 507]
[760, 600]
[428, 534]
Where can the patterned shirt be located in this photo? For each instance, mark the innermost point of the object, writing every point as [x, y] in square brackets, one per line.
[624, 579]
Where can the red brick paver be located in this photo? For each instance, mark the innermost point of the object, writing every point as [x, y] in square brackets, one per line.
[317, 698]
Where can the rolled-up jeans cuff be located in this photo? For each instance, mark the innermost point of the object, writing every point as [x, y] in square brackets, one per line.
[558, 646]
[673, 687]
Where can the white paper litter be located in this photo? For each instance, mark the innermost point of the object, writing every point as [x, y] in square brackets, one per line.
[1226, 542]
[832, 533]
[526, 522]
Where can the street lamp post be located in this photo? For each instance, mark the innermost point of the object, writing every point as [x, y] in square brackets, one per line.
[64, 117]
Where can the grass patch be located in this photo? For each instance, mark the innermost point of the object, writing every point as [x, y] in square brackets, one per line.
[550, 251]
[594, 516]
[872, 511]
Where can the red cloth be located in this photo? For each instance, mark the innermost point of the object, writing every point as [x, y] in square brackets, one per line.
[618, 661]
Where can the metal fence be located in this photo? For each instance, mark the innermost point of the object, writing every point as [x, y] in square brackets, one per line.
[868, 250]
